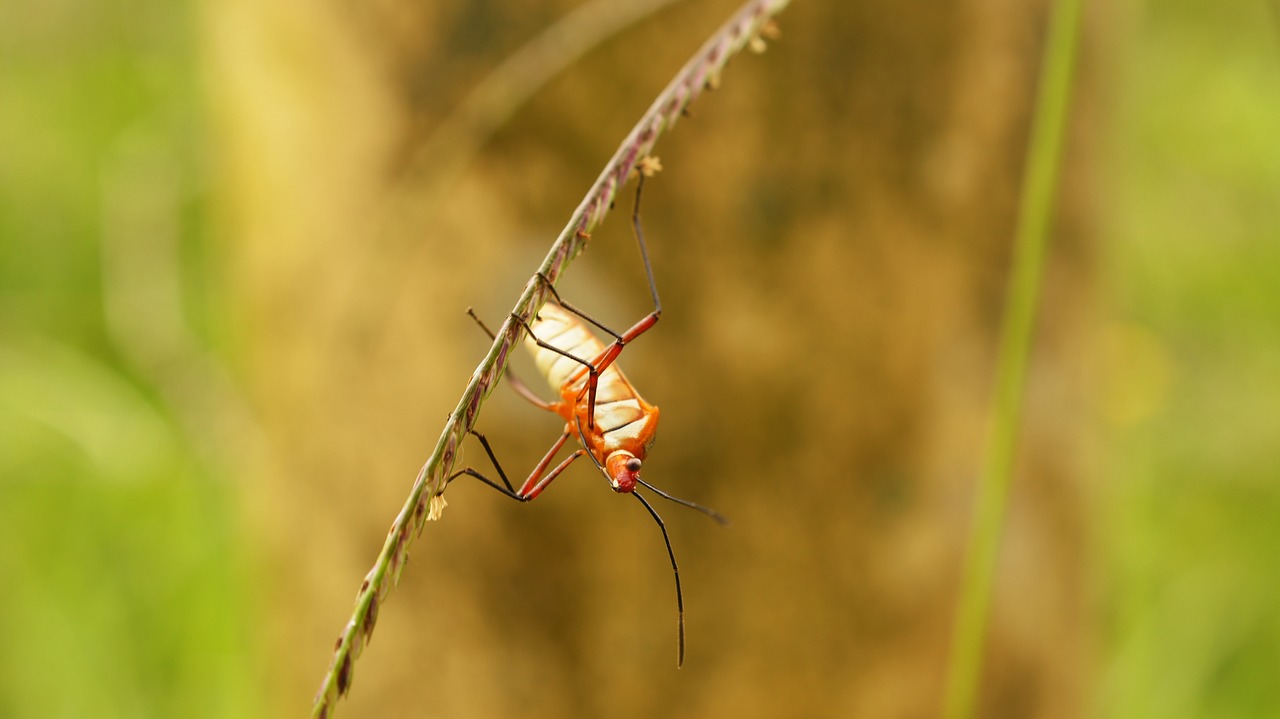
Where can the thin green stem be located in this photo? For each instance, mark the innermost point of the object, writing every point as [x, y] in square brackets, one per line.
[1034, 213]
[425, 499]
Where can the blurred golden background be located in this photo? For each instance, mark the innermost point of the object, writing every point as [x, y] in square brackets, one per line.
[235, 266]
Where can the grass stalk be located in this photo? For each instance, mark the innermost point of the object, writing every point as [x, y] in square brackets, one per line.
[425, 500]
[1039, 186]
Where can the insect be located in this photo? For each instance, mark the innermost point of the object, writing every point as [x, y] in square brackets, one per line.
[614, 425]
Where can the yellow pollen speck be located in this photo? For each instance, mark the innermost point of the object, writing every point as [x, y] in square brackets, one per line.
[649, 165]
[436, 507]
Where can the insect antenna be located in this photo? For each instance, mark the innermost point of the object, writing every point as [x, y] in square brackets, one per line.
[675, 569]
[722, 520]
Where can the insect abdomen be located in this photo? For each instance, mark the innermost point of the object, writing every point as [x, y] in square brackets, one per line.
[565, 332]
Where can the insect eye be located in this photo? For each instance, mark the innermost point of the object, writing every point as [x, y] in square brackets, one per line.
[633, 465]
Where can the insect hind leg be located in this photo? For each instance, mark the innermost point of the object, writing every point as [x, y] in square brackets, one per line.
[517, 384]
[644, 249]
[610, 354]
[572, 309]
[650, 319]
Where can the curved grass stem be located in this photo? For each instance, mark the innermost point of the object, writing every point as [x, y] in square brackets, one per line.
[1035, 205]
[435, 165]
[425, 500]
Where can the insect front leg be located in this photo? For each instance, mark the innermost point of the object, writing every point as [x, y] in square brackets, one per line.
[505, 487]
[538, 479]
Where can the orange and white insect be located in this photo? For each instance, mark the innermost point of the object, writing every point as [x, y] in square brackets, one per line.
[617, 426]
[614, 425]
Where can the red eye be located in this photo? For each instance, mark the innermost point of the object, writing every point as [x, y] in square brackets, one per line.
[633, 465]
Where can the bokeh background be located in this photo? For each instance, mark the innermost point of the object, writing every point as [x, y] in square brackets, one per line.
[232, 284]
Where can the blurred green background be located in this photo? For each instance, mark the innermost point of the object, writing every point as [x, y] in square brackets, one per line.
[141, 560]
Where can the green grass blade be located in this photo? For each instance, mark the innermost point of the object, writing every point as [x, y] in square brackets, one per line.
[1034, 211]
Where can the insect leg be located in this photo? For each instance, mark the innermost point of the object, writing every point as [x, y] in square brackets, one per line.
[644, 249]
[593, 373]
[505, 488]
[648, 271]
[517, 384]
[610, 353]
[531, 492]
[573, 309]
[536, 482]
